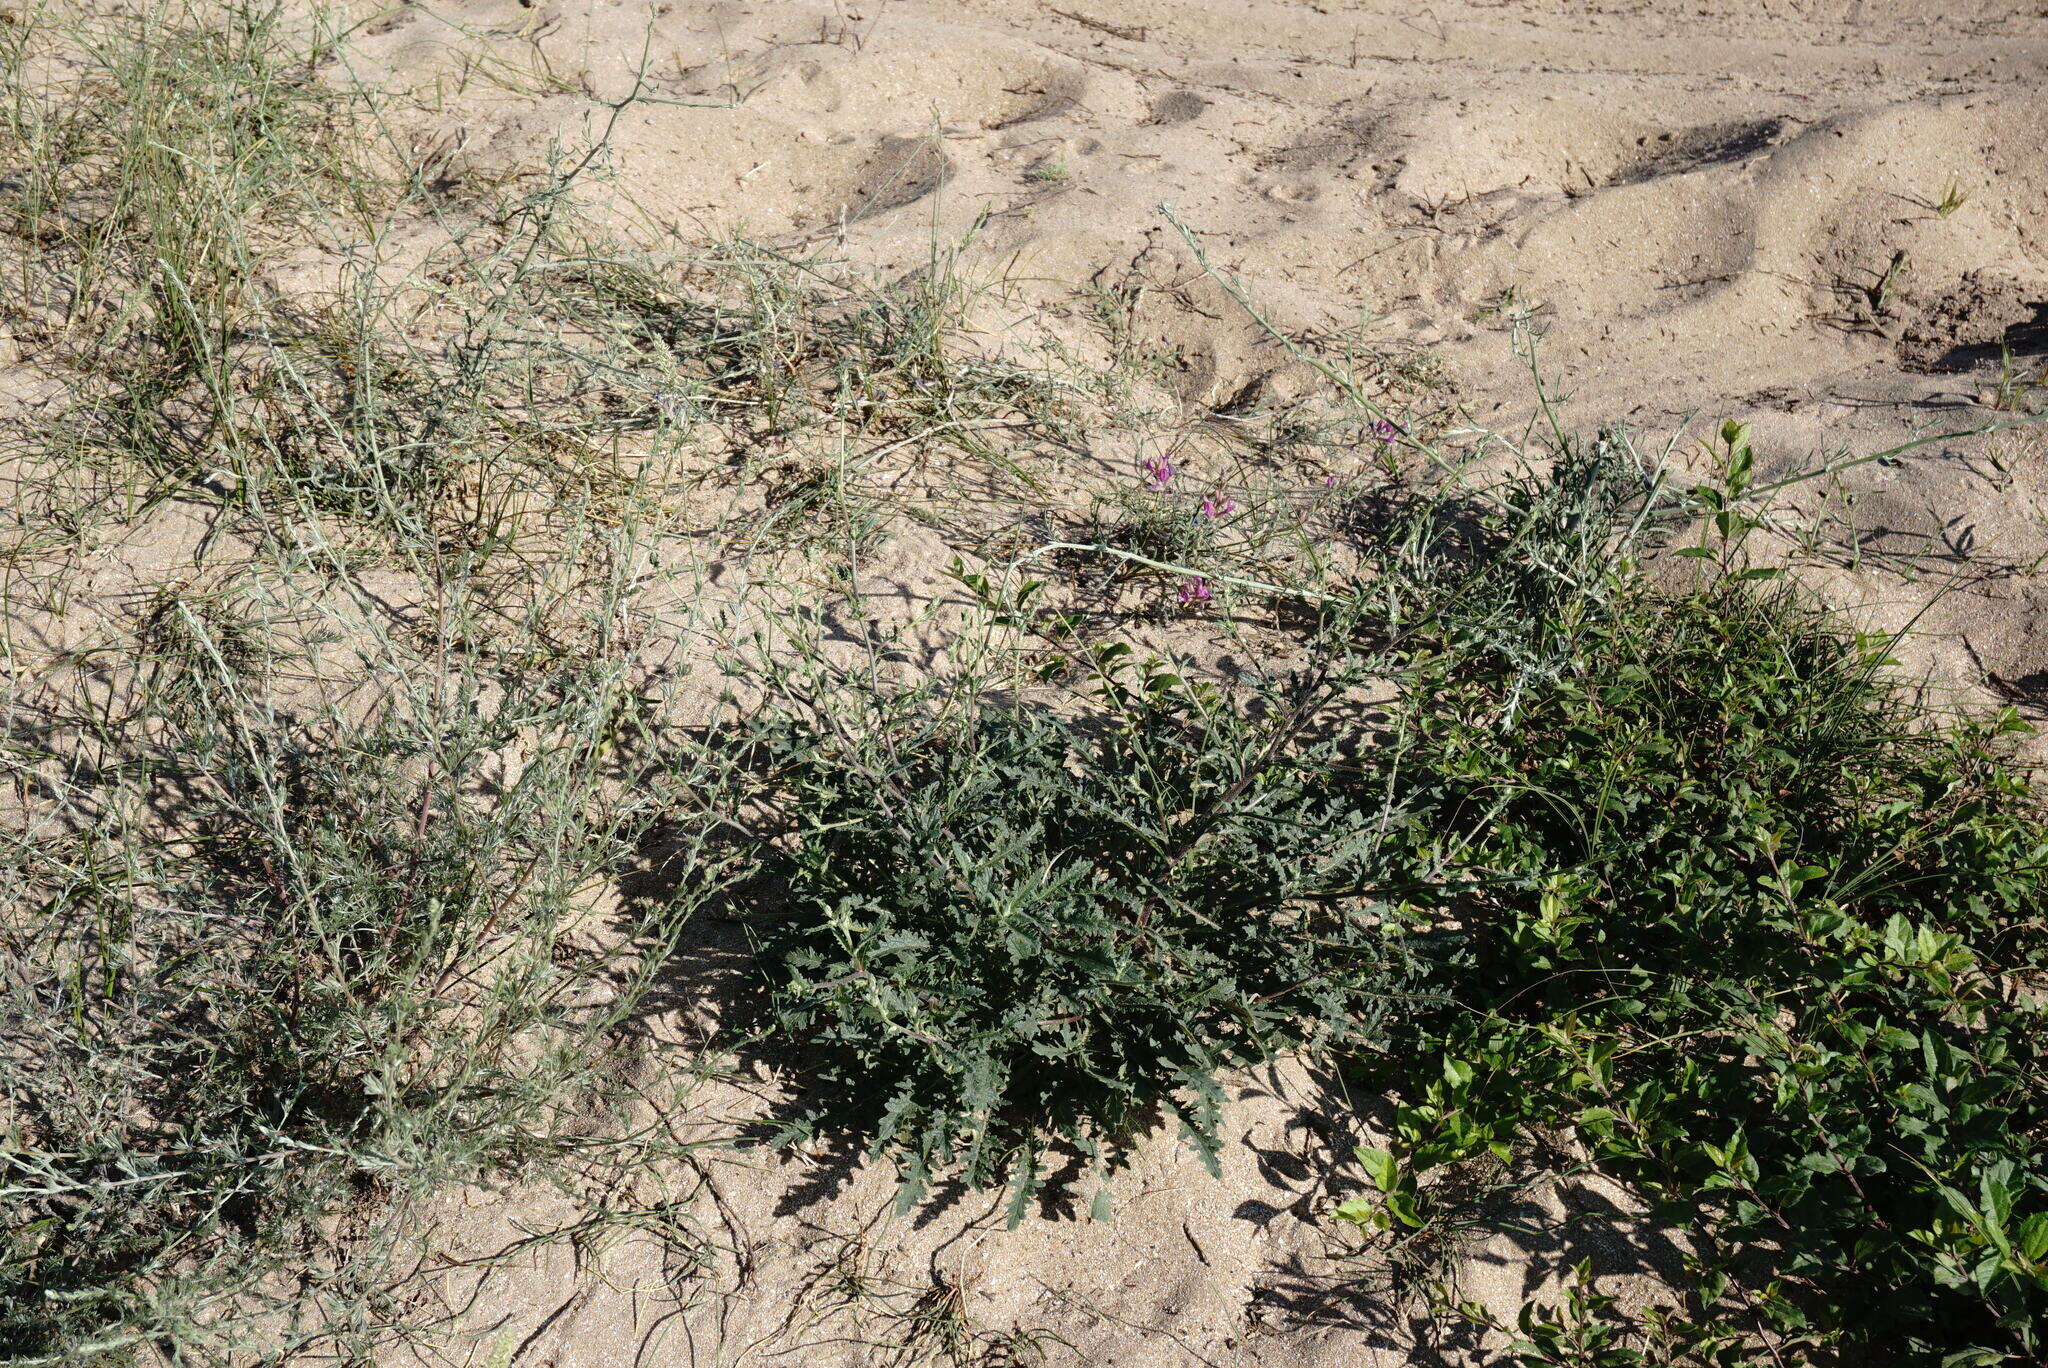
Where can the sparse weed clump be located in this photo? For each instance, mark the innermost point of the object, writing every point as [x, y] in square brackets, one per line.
[303, 883]
[274, 967]
[772, 347]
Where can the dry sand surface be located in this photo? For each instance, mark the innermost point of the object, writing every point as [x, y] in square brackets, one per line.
[1700, 206]
[1695, 204]
[1705, 209]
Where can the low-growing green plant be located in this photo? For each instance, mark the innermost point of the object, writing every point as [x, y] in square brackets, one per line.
[1587, 1328]
[1000, 930]
[1053, 170]
[2010, 393]
[1755, 930]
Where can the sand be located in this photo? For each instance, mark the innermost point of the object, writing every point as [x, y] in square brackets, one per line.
[1698, 206]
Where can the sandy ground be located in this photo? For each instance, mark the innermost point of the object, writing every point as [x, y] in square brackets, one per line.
[1706, 209]
[1728, 208]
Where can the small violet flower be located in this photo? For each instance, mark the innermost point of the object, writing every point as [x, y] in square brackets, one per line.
[1385, 431]
[1212, 509]
[1195, 590]
[1158, 472]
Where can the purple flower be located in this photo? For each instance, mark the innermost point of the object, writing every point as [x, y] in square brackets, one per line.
[1195, 590]
[1158, 472]
[1329, 481]
[1213, 509]
[1385, 431]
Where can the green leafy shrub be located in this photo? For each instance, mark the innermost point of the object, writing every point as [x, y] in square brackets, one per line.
[1003, 927]
[1763, 936]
